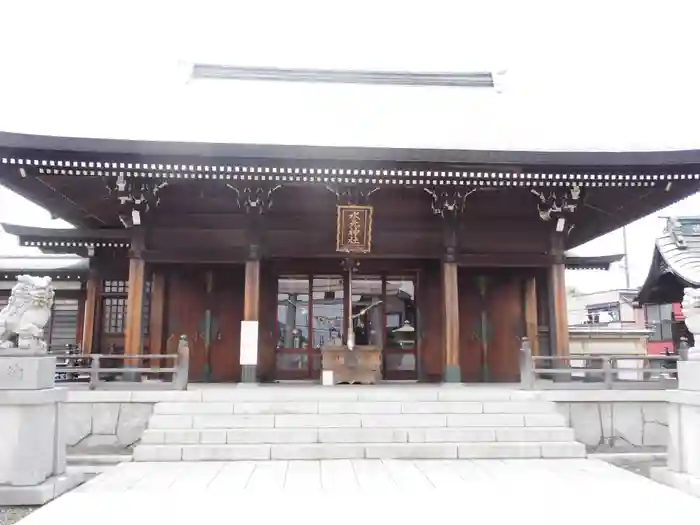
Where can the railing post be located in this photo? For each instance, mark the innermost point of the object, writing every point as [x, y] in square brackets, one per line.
[527, 367]
[182, 364]
[94, 371]
[683, 348]
[607, 372]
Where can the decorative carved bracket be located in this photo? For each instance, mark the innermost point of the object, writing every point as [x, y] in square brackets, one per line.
[349, 195]
[557, 203]
[135, 198]
[254, 200]
[449, 202]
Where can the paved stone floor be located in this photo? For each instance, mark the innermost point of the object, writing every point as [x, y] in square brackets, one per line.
[371, 491]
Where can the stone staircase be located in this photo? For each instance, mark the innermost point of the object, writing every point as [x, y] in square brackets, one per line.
[347, 422]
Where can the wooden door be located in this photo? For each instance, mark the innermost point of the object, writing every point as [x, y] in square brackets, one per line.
[185, 311]
[471, 327]
[430, 323]
[226, 304]
[491, 325]
[504, 306]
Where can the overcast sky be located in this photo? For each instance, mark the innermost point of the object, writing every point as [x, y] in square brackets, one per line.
[608, 75]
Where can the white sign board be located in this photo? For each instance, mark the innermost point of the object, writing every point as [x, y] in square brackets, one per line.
[249, 343]
[327, 378]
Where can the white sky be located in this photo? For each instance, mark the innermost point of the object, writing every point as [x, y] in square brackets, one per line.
[603, 75]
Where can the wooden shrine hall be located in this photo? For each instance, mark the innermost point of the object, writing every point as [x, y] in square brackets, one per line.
[264, 255]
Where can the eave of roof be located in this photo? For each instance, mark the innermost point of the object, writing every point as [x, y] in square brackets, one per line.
[591, 262]
[14, 143]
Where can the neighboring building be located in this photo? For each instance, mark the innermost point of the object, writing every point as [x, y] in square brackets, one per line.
[675, 265]
[611, 308]
[467, 255]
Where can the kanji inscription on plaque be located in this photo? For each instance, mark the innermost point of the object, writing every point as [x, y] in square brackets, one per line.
[354, 230]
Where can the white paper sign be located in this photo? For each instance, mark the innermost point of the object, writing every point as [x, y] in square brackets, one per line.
[249, 343]
[327, 378]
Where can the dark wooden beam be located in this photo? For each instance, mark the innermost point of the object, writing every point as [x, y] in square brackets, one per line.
[195, 257]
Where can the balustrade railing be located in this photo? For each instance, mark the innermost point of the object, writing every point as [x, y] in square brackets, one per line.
[597, 370]
[97, 370]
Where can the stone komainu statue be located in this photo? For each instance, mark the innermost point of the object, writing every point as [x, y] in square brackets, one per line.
[691, 312]
[26, 314]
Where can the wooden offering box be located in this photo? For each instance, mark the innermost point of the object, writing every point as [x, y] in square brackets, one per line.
[362, 365]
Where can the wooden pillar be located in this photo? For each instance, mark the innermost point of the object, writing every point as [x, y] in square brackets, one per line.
[531, 322]
[90, 312]
[251, 318]
[450, 293]
[134, 310]
[156, 343]
[251, 304]
[559, 323]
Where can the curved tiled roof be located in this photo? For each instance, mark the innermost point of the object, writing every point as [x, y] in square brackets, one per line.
[676, 261]
[679, 247]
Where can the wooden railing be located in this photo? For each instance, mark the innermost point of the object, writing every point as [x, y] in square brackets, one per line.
[596, 371]
[97, 370]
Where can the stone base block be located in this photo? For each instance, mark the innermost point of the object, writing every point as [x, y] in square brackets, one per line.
[249, 374]
[39, 494]
[689, 375]
[32, 446]
[452, 374]
[18, 372]
[683, 482]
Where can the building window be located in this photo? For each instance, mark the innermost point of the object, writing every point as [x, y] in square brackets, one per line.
[114, 297]
[114, 314]
[603, 314]
[659, 317]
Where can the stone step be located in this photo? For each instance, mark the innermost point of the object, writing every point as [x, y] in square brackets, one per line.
[353, 407]
[234, 421]
[273, 393]
[315, 451]
[357, 435]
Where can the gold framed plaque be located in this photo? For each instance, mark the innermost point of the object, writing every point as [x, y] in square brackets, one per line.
[354, 229]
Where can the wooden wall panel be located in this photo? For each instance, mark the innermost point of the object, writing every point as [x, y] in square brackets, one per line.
[431, 337]
[156, 329]
[470, 333]
[531, 326]
[226, 303]
[267, 335]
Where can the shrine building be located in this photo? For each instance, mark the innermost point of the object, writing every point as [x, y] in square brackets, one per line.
[444, 259]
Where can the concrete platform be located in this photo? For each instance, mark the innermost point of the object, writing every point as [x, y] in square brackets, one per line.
[40, 494]
[371, 491]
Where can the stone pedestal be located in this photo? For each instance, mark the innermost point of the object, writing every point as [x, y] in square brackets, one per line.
[32, 439]
[683, 467]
